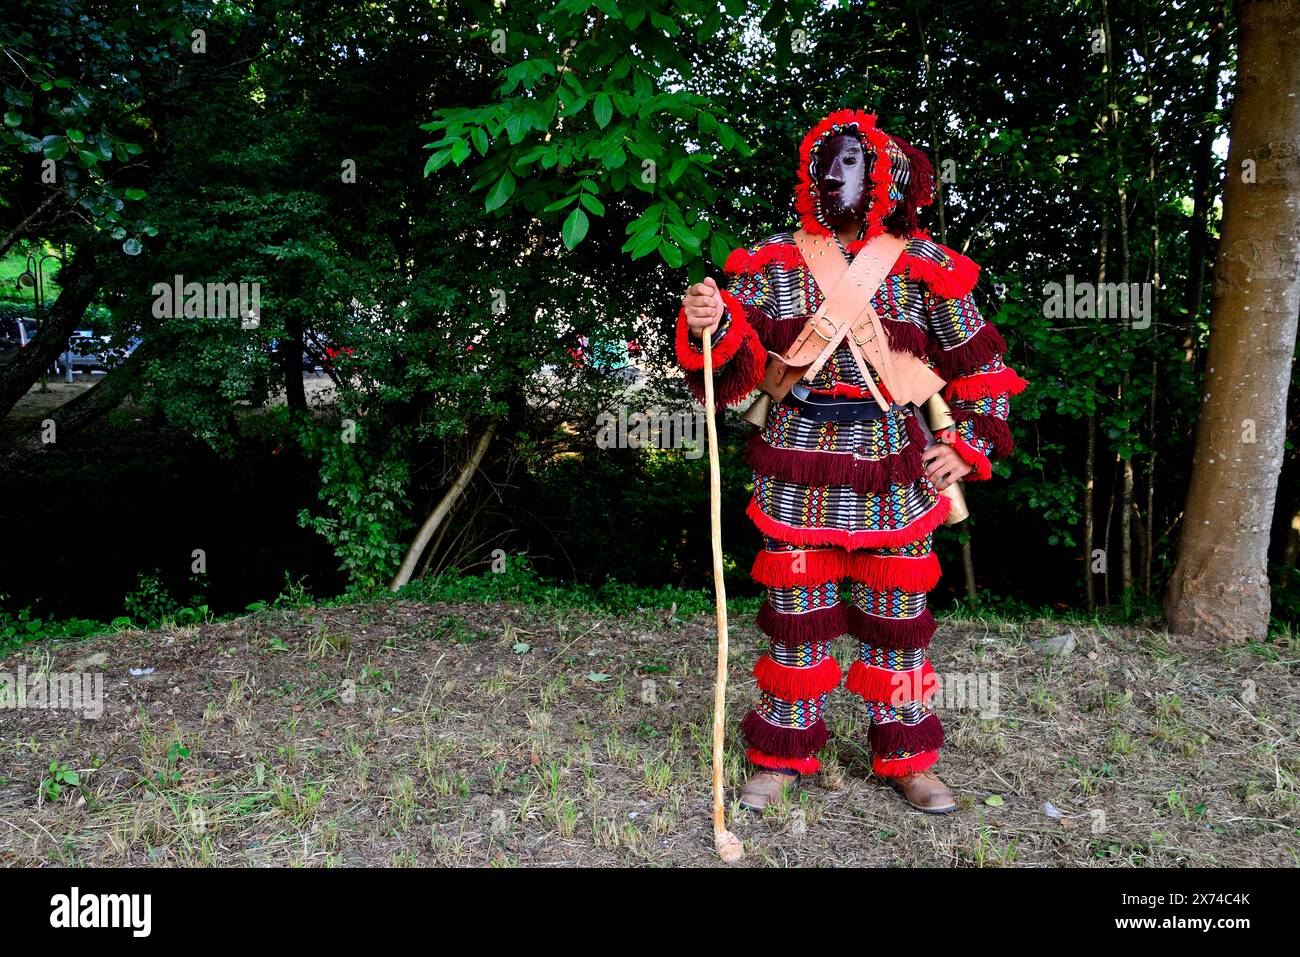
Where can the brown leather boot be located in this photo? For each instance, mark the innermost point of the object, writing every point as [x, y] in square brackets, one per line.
[765, 786]
[924, 791]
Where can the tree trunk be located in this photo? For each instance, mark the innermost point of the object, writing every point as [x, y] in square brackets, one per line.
[1219, 589]
[1089, 492]
[443, 509]
[80, 282]
[76, 414]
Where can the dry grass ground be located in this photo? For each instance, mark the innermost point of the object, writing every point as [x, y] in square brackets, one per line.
[408, 734]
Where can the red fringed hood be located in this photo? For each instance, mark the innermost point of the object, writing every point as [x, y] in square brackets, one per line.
[900, 179]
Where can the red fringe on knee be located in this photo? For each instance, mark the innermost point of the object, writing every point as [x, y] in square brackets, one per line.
[925, 735]
[783, 742]
[803, 567]
[894, 571]
[891, 632]
[802, 765]
[824, 624]
[797, 684]
[900, 766]
[891, 687]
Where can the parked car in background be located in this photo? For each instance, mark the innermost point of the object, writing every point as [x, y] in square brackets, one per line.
[15, 334]
[93, 353]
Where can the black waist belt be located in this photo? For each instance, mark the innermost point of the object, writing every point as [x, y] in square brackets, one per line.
[836, 408]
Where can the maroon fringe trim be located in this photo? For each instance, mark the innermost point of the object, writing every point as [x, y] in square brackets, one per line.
[905, 337]
[778, 335]
[989, 427]
[925, 735]
[735, 380]
[809, 467]
[783, 742]
[985, 346]
[824, 624]
[891, 632]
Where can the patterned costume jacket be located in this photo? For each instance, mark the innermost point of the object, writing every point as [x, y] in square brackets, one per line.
[850, 499]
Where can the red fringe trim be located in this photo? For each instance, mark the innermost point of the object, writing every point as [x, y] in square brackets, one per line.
[783, 742]
[894, 571]
[866, 538]
[740, 329]
[797, 684]
[810, 467]
[891, 687]
[988, 427]
[925, 735]
[824, 624]
[948, 283]
[982, 385]
[985, 346]
[901, 766]
[802, 765]
[777, 569]
[743, 261]
[891, 632]
[738, 378]
[974, 458]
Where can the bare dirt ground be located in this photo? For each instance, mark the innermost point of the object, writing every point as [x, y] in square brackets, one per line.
[409, 734]
[36, 404]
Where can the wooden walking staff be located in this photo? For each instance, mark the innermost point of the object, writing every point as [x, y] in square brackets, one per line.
[727, 844]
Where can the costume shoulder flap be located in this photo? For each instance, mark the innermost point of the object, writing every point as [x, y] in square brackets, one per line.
[779, 248]
[945, 272]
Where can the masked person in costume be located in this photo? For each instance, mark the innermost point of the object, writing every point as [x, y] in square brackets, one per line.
[847, 492]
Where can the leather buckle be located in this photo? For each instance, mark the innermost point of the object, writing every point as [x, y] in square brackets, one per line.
[829, 325]
[864, 332]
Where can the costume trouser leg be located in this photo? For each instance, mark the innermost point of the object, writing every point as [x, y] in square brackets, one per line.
[888, 615]
[805, 610]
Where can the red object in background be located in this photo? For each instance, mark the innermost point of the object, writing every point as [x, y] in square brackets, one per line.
[577, 354]
[332, 353]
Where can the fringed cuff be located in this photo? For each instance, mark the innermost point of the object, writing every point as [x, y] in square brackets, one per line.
[882, 572]
[984, 346]
[797, 684]
[981, 425]
[799, 567]
[894, 736]
[983, 385]
[890, 687]
[977, 460]
[897, 767]
[891, 632]
[783, 742]
[739, 360]
[802, 765]
[822, 624]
